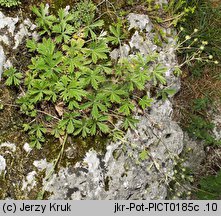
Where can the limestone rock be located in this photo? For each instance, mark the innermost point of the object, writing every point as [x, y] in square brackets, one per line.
[14, 33]
[121, 173]
[2, 164]
[2, 60]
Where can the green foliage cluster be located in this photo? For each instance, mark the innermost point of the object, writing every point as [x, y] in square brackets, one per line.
[207, 26]
[179, 10]
[200, 126]
[207, 22]
[72, 85]
[207, 19]
[210, 187]
[9, 3]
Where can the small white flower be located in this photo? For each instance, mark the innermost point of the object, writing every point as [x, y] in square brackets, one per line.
[216, 62]
[187, 37]
[195, 39]
[202, 47]
[196, 30]
[205, 42]
[183, 176]
[210, 56]
[181, 28]
[178, 194]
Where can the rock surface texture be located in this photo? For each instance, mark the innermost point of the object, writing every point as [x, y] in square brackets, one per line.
[121, 173]
[12, 33]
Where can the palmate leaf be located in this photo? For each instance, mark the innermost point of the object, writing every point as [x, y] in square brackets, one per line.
[117, 33]
[96, 104]
[134, 81]
[47, 47]
[69, 122]
[90, 29]
[97, 50]
[106, 68]
[114, 93]
[126, 108]
[75, 47]
[73, 104]
[38, 64]
[64, 16]
[57, 132]
[158, 74]
[145, 102]
[130, 122]
[83, 128]
[93, 78]
[40, 88]
[44, 20]
[35, 143]
[63, 29]
[103, 127]
[38, 130]
[32, 45]
[76, 91]
[13, 77]
[100, 123]
[70, 127]
[64, 32]
[70, 89]
[78, 61]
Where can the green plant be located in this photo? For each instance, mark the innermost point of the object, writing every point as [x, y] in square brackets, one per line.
[210, 187]
[201, 104]
[9, 3]
[207, 21]
[165, 93]
[177, 11]
[192, 50]
[201, 128]
[14, 77]
[180, 184]
[200, 79]
[72, 86]
[197, 49]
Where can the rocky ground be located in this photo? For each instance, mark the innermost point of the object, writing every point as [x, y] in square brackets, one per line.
[142, 167]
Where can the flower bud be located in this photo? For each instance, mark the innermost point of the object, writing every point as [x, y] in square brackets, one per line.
[187, 37]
